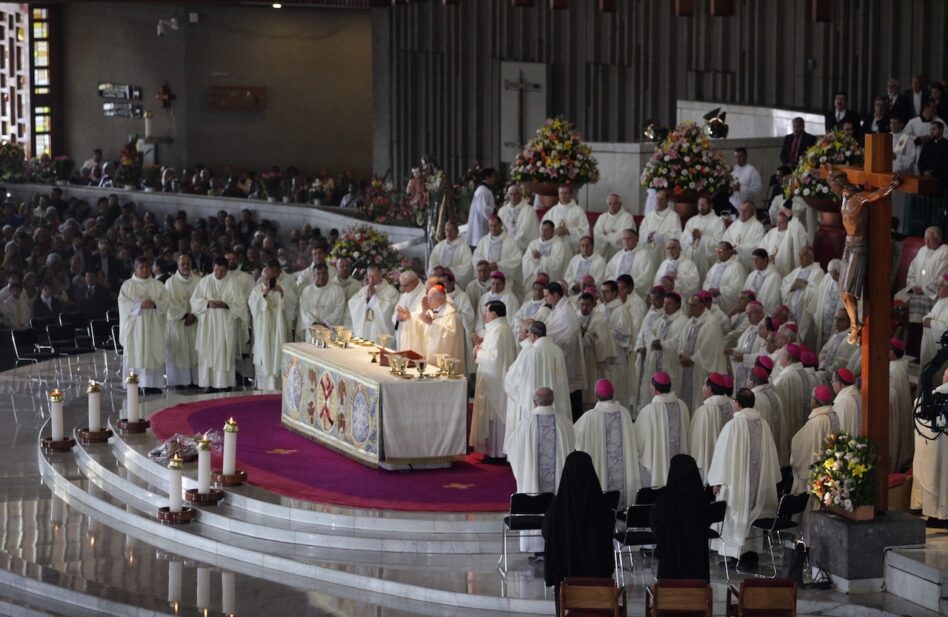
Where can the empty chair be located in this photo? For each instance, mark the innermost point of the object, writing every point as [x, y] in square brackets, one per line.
[679, 598]
[62, 340]
[101, 333]
[26, 350]
[525, 515]
[39, 325]
[591, 595]
[762, 597]
[638, 532]
[789, 506]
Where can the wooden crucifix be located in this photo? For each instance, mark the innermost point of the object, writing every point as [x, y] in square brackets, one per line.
[876, 249]
[523, 87]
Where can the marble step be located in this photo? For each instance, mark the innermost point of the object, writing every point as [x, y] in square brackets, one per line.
[918, 575]
[99, 466]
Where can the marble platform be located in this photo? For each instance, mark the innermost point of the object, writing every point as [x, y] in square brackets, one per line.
[78, 536]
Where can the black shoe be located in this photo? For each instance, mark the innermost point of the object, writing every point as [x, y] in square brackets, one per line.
[208, 390]
[937, 523]
[194, 386]
[227, 389]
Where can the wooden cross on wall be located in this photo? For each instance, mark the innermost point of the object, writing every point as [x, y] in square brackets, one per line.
[877, 298]
[523, 87]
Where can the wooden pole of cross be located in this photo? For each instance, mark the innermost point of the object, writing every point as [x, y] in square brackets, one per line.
[877, 298]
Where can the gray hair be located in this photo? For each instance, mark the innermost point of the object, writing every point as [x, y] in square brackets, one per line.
[543, 397]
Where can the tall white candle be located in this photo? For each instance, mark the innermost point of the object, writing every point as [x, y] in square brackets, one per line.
[204, 466]
[56, 414]
[175, 570]
[131, 397]
[174, 481]
[230, 447]
[228, 594]
[95, 406]
[203, 588]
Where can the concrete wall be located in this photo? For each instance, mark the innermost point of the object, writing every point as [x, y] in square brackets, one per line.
[315, 63]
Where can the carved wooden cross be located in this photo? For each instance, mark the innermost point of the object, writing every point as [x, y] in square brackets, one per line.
[877, 298]
[522, 87]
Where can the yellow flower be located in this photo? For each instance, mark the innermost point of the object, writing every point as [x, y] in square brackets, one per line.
[858, 469]
[828, 463]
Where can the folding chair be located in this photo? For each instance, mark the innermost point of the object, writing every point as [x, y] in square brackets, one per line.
[717, 510]
[39, 325]
[585, 595]
[80, 323]
[789, 506]
[26, 348]
[527, 511]
[637, 532]
[648, 495]
[763, 597]
[62, 341]
[679, 598]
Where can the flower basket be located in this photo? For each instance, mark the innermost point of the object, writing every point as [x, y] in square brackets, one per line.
[555, 156]
[843, 477]
[834, 148]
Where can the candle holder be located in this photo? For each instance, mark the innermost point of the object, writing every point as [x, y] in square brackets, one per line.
[233, 476]
[228, 479]
[57, 442]
[175, 513]
[205, 499]
[132, 428]
[185, 516]
[87, 436]
[52, 446]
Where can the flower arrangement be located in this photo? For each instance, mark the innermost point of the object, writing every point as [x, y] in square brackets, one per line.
[556, 154]
[364, 245]
[844, 475]
[129, 170]
[272, 184]
[151, 176]
[686, 163]
[12, 162]
[833, 148]
[63, 166]
[385, 206]
[40, 169]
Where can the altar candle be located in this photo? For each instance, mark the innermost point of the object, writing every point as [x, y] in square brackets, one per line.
[174, 490]
[204, 466]
[56, 414]
[148, 123]
[175, 570]
[230, 448]
[131, 397]
[228, 593]
[203, 588]
[95, 406]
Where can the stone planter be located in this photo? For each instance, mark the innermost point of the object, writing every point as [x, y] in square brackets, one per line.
[859, 513]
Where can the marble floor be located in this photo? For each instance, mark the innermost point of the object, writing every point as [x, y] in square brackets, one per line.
[78, 537]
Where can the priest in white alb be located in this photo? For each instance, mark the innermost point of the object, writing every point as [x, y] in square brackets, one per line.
[746, 185]
[532, 305]
[607, 434]
[321, 303]
[744, 473]
[838, 351]
[568, 218]
[703, 231]
[745, 234]
[700, 352]
[659, 226]
[585, 263]
[548, 254]
[499, 292]
[809, 442]
[681, 269]
[494, 356]
[848, 401]
[599, 350]
[273, 306]
[319, 254]
[219, 304]
[792, 386]
[770, 407]
[658, 348]
[784, 241]
[798, 290]
[708, 419]
[749, 344]
[454, 254]
[824, 304]
[181, 367]
[608, 229]
[725, 277]
[934, 324]
[441, 329]
[620, 329]
[407, 333]
[924, 276]
[641, 342]
[764, 281]
[633, 260]
[662, 429]
[371, 309]
[519, 218]
[501, 251]
[563, 328]
[143, 304]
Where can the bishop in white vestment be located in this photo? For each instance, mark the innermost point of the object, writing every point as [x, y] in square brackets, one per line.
[569, 220]
[499, 292]
[608, 229]
[371, 309]
[586, 263]
[501, 252]
[791, 384]
[700, 352]
[632, 260]
[658, 353]
[681, 269]
[768, 404]
[220, 305]
[619, 325]
[519, 218]
[703, 231]
[642, 341]
[407, 333]
[725, 278]
[824, 304]
[745, 234]
[538, 446]
[599, 350]
[662, 429]
[563, 328]
[749, 344]
[708, 419]
[143, 303]
[454, 254]
[783, 243]
[798, 289]
[809, 442]
[181, 366]
[925, 275]
[764, 281]
[547, 254]
[494, 356]
[848, 401]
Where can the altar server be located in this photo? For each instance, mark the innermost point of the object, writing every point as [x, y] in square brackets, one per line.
[494, 356]
[519, 218]
[661, 431]
[181, 365]
[454, 254]
[273, 305]
[607, 232]
[219, 304]
[321, 303]
[143, 304]
[607, 434]
[371, 309]
[568, 218]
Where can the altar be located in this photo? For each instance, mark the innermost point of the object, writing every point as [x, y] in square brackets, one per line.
[340, 399]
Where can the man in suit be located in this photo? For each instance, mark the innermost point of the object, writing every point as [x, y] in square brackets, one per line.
[92, 299]
[915, 98]
[46, 305]
[933, 159]
[878, 120]
[795, 144]
[896, 102]
[841, 114]
[103, 260]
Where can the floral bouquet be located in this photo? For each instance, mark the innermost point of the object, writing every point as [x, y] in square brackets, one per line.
[63, 166]
[687, 163]
[272, 183]
[365, 245]
[41, 169]
[844, 475]
[385, 206]
[12, 162]
[151, 176]
[557, 154]
[834, 148]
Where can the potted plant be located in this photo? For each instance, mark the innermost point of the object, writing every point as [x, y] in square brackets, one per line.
[63, 166]
[555, 156]
[843, 478]
[687, 165]
[833, 148]
[271, 182]
[151, 177]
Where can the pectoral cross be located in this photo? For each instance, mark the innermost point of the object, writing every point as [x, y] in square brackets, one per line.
[522, 87]
[877, 297]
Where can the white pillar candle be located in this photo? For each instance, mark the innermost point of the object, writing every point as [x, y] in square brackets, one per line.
[204, 466]
[175, 570]
[203, 588]
[174, 481]
[131, 397]
[56, 414]
[230, 448]
[228, 594]
[148, 124]
[95, 406]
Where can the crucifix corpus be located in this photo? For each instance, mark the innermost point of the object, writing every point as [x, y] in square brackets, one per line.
[867, 217]
[523, 87]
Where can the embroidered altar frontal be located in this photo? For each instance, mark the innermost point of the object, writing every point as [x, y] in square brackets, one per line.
[340, 399]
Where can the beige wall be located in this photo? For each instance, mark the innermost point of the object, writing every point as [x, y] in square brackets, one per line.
[316, 65]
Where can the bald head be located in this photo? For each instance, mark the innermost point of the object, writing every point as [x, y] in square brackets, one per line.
[543, 397]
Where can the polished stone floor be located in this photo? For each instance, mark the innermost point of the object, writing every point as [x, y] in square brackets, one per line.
[60, 556]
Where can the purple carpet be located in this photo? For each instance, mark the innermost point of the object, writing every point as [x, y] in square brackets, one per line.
[287, 464]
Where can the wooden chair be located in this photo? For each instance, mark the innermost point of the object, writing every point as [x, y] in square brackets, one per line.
[582, 596]
[762, 597]
[679, 598]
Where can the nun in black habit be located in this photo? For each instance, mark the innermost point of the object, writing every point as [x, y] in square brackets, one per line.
[680, 520]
